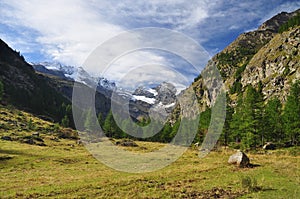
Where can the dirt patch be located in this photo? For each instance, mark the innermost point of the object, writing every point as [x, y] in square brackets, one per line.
[213, 193]
[67, 161]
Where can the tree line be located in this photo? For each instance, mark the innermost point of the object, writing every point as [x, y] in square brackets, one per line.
[249, 124]
[252, 122]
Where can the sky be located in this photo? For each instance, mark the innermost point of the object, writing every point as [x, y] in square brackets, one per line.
[67, 31]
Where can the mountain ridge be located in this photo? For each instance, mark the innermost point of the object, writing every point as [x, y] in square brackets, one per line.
[25, 89]
[234, 59]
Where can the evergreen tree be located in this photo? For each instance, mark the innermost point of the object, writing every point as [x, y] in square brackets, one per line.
[65, 112]
[291, 113]
[69, 114]
[204, 122]
[237, 119]
[227, 130]
[252, 117]
[90, 124]
[100, 119]
[65, 122]
[272, 121]
[110, 127]
[175, 128]
[165, 135]
[247, 119]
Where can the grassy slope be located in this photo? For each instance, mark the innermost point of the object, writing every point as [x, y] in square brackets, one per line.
[63, 169]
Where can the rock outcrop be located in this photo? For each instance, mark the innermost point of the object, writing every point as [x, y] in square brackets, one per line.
[240, 159]
[260, 56]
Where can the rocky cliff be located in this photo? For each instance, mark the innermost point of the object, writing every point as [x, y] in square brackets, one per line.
[261, 57]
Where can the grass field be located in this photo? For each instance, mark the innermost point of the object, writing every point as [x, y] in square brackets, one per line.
[64, 169]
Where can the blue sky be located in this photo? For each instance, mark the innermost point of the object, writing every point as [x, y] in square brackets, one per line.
[67, 31]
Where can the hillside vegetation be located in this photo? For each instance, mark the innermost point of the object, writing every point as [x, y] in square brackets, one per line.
[260, 70]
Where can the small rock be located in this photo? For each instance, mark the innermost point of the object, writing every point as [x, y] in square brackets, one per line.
[7, 138]
[240, 159]
[269, 146]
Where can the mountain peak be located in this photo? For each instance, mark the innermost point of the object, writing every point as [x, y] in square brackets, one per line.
[275, 22]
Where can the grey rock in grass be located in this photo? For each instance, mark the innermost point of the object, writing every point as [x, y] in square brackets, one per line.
[240, 159]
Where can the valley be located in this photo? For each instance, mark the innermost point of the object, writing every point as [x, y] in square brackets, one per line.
[46, 153]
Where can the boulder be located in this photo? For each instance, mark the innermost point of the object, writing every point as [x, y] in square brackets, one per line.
[269, 146]
[240, 159]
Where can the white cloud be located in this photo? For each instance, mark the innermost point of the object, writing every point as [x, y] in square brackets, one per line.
[67, 31]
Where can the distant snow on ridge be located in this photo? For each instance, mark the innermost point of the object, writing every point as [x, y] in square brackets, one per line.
[153, 91]
[144, 99]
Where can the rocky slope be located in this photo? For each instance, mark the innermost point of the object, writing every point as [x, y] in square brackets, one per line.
[263, 56]
[276, 65]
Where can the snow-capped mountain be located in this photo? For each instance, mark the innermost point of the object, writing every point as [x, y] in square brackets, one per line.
[160, 99]
[56, 66]
[77, 74]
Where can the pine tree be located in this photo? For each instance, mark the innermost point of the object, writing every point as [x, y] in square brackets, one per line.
[90, 123]
[204, 122]
[291, 114]
[175, 129]
[110, 127]
[237, 119]
[247, 120]
[100, 119]
[227, 130]
[65, 122]
[272, 121]
[252, 117]
[165, 135]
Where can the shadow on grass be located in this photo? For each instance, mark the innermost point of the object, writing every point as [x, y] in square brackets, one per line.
[253, 165]
[5, 157]
[13, 152]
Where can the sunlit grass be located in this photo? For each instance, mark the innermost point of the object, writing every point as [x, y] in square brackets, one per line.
[64, 169]
[68, 170]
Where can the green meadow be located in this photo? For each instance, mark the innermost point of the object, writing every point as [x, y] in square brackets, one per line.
[61, 168]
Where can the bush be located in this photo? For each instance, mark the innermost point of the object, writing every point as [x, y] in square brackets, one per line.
[250, 184]
[68, 133]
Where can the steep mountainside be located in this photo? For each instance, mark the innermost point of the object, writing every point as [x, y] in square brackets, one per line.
[26, 89]
[276, 65]
[253, 56]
